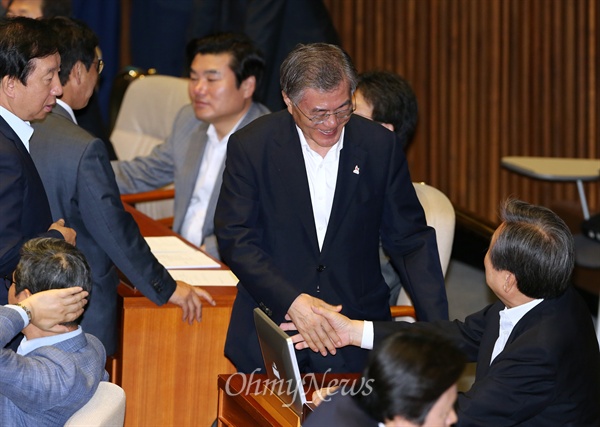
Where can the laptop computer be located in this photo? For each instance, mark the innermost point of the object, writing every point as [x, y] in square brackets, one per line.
[280, 360]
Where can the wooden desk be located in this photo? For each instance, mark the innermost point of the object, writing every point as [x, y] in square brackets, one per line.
[244, 402]
[168, 368]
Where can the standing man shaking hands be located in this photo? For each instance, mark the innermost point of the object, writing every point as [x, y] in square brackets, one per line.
[306, 194]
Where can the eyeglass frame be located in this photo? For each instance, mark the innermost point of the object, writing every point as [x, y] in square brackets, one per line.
[100, 66]
[8, 281]
[317, 121]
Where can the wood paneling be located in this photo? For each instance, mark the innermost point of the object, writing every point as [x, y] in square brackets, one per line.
[493, 78]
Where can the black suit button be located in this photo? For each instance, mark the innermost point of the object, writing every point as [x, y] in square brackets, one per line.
[321, 268]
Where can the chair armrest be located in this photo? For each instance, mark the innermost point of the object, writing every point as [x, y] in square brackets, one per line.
[403, 310]
[148, 196]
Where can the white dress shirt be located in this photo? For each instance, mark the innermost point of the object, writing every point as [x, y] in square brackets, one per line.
[22, 128]
[509, 317]
[322, 178]
[212, 159]
[68, 108]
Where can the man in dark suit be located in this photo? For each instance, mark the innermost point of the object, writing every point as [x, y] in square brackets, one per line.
[29, 64]
[538, 362]
[81, 187]
[306, 194]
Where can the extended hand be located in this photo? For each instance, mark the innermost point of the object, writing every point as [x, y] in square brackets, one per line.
[314, 328]
[187, 297]
[68, 233]
[49, 308]
[349, 331]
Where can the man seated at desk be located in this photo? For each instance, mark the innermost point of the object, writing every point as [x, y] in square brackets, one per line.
[57, 368]
[225, 70]
[537, 356]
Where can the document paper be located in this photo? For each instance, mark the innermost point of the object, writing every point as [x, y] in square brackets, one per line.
[173, 253]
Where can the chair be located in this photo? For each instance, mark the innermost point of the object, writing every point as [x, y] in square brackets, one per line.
[145, 119]
[439, 214]
[105, 408]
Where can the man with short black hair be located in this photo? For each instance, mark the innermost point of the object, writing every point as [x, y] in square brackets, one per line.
[80, 184]
[388, 99]
[29, 85]
[225, 70]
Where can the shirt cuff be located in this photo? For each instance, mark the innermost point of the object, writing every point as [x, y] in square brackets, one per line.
[21, 312]
[367, 336]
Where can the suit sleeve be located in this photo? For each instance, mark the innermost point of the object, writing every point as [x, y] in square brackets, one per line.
[114, 229]
[411, 244]
[12, 188]
[145, 173]
[240, 238]
[466, 335]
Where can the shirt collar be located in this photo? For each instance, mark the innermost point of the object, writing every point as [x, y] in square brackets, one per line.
[27, 346]
[211, 132]
[68, 108]
[512, 315]
[335, 148]
[21, 127]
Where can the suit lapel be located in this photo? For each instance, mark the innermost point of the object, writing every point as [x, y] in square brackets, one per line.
[352, 159]
[287, 154]
[207, 227]
[191, 167]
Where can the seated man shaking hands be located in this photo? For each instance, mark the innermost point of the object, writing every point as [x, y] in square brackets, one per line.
[57, 367]
[537, 356]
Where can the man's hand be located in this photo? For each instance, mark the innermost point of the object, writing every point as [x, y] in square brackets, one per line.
[349, 332]
[314, 328]
[49, 308]
[187, 297]
[68, 233]
[323, 395]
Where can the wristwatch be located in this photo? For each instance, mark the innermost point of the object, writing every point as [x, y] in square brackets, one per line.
[27, 311]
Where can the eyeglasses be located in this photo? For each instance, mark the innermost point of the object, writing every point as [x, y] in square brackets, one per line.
[100, 66]
[8, 281]
[322, 118]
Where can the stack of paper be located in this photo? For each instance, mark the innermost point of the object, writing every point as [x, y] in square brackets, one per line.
[174, 253]
[178, 257]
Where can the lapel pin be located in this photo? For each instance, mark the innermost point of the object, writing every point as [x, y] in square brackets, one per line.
[356, 170]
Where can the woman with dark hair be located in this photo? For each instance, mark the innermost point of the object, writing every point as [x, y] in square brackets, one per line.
[410, 381]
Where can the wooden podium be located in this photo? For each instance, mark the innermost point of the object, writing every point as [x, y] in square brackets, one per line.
[169, 368]
[244, 401]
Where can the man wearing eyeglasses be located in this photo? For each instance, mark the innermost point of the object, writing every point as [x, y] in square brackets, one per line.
[81, 187]
[306, 194]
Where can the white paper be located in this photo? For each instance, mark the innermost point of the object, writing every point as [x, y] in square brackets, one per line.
[206, 277]
[174, 253]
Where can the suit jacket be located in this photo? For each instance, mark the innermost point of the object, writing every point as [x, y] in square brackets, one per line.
[341, 410]
[178, 160]
[547, 375]
[24, 209]
[266, 232]
[81, 188]
[49, 384]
